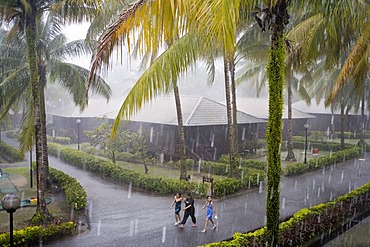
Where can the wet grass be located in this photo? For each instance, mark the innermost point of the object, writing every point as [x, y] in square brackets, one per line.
[22, 217]
[165, 172]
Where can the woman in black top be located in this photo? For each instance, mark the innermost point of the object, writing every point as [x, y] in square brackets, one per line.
[189, 211]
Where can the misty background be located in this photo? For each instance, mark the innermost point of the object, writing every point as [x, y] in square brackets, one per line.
[121, 77]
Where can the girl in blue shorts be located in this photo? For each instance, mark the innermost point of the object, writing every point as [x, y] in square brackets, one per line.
[177, 202]
[210, 211]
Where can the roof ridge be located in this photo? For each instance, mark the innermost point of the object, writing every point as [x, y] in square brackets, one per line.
[193, 111]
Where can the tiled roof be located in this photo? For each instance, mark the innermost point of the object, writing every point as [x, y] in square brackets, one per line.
[258, 107]
[319, 108]
[196, 111]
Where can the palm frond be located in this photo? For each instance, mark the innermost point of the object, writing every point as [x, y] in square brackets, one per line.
[159, 76]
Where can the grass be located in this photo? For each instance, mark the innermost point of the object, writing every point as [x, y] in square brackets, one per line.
[164, 172]
[23, 216]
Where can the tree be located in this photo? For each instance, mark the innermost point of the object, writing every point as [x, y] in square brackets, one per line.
[21, 17]
[169, 32]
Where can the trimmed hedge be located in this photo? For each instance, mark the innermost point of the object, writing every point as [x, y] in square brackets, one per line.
[109, 170]
[76, 196]
[60, 139]
[320, 162]
[309, 224]
[10, 153]
[299, 143]
[30, 236]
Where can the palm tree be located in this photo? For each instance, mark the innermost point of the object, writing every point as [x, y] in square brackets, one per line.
[169, 32]
[21, 17]
[356, 69]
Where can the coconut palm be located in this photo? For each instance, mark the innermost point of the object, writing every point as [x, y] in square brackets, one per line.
[356, 69]
[21, 17]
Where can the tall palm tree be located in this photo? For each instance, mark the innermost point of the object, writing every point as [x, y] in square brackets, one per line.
[153, 35]
[356, 70]
[21, 17]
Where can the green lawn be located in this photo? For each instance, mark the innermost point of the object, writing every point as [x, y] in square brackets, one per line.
[22, 217]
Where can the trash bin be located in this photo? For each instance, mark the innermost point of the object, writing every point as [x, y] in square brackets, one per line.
[315, 151]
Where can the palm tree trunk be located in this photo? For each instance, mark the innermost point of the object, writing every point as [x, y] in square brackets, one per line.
[362, 142]
[182, 151]
[229, 119]
[342, 122]
[35, 83]
[235, 141]
[44, 168]
[290, 156]
[275, 71]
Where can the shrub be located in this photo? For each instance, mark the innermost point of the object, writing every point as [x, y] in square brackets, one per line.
[76, 196]
[10, 154]
[116, 173]
[320, 162]
[60, 139]
[309, 224]
[30, 236]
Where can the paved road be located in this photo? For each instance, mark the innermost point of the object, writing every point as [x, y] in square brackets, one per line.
[122, 217]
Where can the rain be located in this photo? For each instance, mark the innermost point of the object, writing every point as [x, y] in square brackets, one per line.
[131, 151]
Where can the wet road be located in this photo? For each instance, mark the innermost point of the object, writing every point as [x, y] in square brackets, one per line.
[122, 217]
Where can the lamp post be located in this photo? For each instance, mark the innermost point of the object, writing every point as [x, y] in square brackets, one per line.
[11, 203]
[78, 133]
[306, 126]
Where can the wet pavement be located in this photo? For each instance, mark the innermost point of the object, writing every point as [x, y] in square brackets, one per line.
[120, 216]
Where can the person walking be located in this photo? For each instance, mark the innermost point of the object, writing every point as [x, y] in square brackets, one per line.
[177, 202]
[210, 211]
[189, 211]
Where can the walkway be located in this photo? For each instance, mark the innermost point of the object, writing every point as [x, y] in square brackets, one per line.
[122, 217]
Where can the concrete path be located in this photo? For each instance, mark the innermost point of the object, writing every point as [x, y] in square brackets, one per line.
[122, 217]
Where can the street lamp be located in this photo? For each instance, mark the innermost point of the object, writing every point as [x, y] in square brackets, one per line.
[306, 126]
[10, 204]
[78, 133]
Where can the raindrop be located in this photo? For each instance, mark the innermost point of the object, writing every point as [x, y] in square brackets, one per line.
[132, 228]
[79, 227]
[99, 226]
[341, 177]
[318, 192]
[129, 191]
[349, 187]
[322, 185]
[313, 184]
[307, 193]
[283, 203]
[245, 208]
[323, 169]
[261, 189]
[295, 184]
[330, 153]
[164, 234]
[249, 183]
[199, 164]
[331, 196]
[329, 179]
[258, 178]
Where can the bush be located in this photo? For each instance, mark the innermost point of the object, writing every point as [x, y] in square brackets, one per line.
[30, 236]
[309, 224]
[320, 162]
[60, 139]
[10, 154]
[116, 173]
[76, 196]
